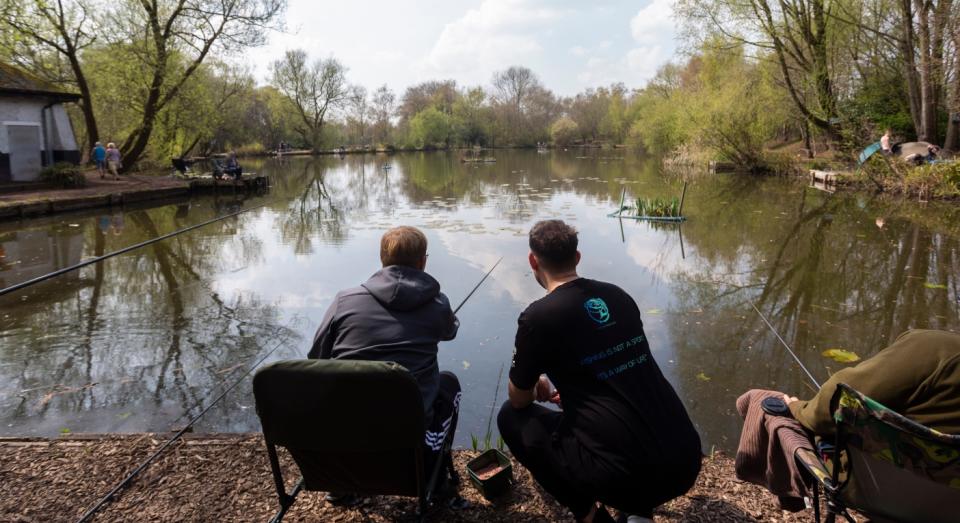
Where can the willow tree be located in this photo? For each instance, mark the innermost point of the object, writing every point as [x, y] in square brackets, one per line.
[314, 87]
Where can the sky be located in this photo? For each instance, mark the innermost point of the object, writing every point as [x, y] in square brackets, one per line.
[570, 45]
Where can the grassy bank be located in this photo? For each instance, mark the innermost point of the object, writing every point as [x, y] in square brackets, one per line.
[226, 478]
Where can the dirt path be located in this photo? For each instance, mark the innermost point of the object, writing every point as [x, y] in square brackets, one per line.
[227, 478]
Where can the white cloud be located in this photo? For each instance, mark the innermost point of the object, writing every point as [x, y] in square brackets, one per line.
[495, 35]
[654, 23]
[578, 50]
[653, 32]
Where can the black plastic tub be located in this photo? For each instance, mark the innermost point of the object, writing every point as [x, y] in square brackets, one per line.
[498, 483]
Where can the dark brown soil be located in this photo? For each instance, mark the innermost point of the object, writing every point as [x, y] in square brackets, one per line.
[227, 478]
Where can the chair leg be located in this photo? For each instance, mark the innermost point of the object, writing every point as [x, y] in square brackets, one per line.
[286, 500]
[816, 503]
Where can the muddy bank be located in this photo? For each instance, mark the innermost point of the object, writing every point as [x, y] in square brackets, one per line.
[227, 478]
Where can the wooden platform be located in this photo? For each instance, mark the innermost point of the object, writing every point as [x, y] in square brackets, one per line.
[246, 182]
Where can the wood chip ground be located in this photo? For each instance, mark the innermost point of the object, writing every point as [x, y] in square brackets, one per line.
[227, 478]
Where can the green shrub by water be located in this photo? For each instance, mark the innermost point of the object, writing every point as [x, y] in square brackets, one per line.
[65, 175]
[658, 207]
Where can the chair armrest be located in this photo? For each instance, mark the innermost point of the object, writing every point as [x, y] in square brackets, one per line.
[816, 467]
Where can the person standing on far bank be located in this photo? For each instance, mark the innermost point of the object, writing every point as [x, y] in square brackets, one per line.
[623, 438]
[113, 159]
[100, 159]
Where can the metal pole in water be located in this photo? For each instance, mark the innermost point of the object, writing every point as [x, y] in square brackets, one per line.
[795, 357]
[682, 196]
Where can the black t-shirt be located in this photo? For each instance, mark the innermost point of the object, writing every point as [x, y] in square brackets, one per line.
[587, 337]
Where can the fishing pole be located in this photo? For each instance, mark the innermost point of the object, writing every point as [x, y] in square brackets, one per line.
[146, 463]
[477, 286]
[129, 248]
[797, 359]
[140, 468]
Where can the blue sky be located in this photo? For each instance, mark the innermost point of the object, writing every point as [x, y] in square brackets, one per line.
[570, 45]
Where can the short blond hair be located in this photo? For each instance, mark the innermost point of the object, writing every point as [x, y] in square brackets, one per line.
[403, 245]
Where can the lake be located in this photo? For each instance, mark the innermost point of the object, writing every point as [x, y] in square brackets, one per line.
[145, 340]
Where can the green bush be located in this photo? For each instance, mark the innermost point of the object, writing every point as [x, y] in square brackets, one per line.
[66, 175]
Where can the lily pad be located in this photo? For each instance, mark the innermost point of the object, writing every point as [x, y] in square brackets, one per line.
[64, 431]
[654, 311]
[841, 355]
[930, 285]
[466, 364]
[703, 377]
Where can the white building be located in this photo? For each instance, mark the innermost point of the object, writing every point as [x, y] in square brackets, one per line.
[34, 127]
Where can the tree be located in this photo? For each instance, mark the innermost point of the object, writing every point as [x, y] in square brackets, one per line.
[359, 114]
[32, 27]
[564, 131]
[797, 32]
[383, 104]
[431, 127]
[436, 93]
[161, 32]
[315, 88]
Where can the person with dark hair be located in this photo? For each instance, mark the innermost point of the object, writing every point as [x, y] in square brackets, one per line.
[232, 166]
[398, 315]
[622, 437]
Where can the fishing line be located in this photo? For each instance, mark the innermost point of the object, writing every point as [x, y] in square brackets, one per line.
[129, 248]
[140, 468]
[797, 359]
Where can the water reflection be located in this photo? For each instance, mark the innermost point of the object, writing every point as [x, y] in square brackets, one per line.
[142, 340]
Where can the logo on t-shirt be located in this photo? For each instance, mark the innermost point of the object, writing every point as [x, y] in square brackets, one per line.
[597, 310]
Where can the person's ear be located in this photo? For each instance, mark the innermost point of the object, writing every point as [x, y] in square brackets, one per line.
[423, 262]
[534, 264]
[578, 259]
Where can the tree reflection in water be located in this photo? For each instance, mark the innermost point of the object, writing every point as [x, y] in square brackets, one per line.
[142, 340]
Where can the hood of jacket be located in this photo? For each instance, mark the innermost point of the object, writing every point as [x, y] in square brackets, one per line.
[402, 288]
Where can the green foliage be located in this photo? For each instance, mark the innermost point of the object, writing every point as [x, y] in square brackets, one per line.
[66, 175]
[430, 128]
[658, 207]
[564, 131]
[486, 443]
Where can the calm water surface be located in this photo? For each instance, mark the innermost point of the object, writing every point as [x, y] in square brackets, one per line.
[145, 340]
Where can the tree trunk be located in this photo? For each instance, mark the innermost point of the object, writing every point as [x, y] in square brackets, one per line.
[907, 50]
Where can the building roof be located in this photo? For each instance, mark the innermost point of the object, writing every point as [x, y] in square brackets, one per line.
[14, 81]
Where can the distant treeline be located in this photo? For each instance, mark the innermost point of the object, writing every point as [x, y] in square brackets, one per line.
[165, 78]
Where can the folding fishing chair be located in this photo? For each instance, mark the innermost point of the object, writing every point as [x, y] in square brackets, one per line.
[893, 470]
[350, 426]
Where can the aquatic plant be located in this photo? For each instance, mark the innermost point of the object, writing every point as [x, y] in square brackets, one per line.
[658, 207]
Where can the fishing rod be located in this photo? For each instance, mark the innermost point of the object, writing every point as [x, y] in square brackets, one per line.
[477, 286]
[797, 359]
[146, 463]
[129, 248]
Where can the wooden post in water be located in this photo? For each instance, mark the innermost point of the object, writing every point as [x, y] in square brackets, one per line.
[682, 196]
[623, 194]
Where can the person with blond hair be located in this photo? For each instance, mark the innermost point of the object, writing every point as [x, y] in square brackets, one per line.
[113, 159]
[398, 315]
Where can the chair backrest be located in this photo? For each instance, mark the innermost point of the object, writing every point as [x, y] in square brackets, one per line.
[899, 469]
[351, 426]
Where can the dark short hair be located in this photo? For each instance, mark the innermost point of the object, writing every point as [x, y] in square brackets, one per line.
[403, 245]
[554, 243]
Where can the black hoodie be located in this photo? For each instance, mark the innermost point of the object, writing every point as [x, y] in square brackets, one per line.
[398, 315]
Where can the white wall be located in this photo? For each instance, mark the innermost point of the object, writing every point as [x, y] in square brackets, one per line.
[27, 109]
